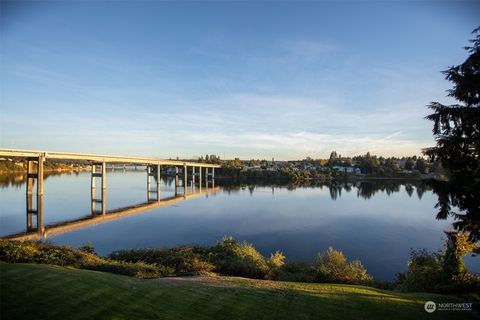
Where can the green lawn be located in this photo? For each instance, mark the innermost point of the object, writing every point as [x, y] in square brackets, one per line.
[29, 291]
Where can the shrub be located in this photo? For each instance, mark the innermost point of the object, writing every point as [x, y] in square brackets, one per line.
[238, 259]
[181, 261]
[332, 266]
[275, 263]
[297, 271]
[227, 257]
[88, 247]
[47, 253]
[424, 271]
[39, 252]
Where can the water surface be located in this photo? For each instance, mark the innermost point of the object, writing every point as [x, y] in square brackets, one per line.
[376, 222]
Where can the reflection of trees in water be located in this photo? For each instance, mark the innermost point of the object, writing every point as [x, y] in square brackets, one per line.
[462, 203]
[335, 191]
[16, 180]
[409, 189]
[365, 189]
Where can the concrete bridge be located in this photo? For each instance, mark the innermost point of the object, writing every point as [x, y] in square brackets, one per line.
[98, 164]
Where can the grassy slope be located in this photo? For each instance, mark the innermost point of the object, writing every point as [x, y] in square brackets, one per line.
[52, 292]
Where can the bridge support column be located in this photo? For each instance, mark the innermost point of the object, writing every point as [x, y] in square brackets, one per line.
[40, 175]
[29, 195]
[29, 211]
[158, 182]
[104, 188]
[185, 180]
[93, 187]
[93, 190]
[104, 175]
[30, 176]
[148, 182]
[213, 173]
[40, 227]
[104, 201]
[176, 181]
[200, 178]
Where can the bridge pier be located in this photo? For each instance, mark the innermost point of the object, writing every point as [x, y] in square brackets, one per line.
[200, 178]
[93, 187]
[158, 182]
[93, 190]
[40, 175]
[148, 182]
[104, 175]
[185, 180]
[31, 175]
[176, 181]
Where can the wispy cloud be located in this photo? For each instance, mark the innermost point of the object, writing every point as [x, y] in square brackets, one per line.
[283, 127]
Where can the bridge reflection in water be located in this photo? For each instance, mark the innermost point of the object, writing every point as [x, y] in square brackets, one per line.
[36, 230]
[98, 163]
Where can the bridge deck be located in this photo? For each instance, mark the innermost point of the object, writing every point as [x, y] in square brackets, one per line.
[94, 158]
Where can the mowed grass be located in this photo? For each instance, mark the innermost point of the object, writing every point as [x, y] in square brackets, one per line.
[30, 291]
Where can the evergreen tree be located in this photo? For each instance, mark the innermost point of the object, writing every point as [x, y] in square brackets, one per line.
[456, 129]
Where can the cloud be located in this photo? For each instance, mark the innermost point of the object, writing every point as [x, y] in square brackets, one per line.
[245, 125]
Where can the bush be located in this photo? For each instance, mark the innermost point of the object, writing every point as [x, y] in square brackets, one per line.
[88, 247]
[297, 271]
[332, 266]
[426, 272]
[226, 257]
[39, 252]
[239, 259]
[47, 253]
[181, 261]
[275, 263]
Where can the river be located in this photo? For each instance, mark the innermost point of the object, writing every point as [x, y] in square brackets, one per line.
[377, 222]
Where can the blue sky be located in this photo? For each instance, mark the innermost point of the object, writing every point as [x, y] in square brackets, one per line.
[240, 79]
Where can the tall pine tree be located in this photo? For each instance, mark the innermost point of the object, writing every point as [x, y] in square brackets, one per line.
[456, 129]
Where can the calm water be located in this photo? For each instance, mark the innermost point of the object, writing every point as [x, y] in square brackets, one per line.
[376, 222]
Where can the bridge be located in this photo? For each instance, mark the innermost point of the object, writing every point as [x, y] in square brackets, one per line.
[98, 164]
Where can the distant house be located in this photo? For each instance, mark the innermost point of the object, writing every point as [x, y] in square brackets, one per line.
[347, 169]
